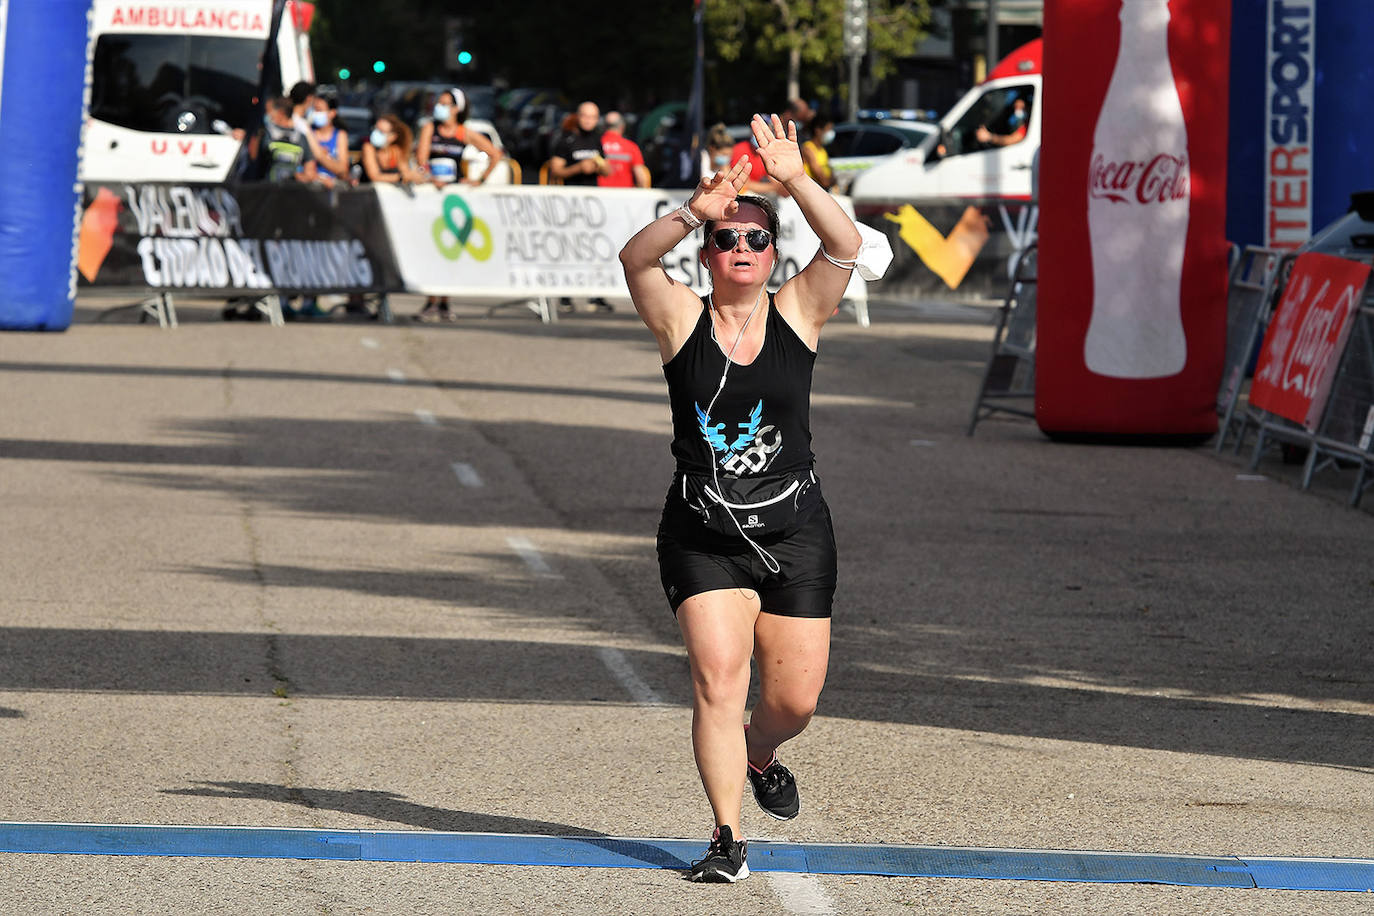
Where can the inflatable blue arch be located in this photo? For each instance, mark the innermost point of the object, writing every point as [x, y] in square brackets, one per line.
[43, 54]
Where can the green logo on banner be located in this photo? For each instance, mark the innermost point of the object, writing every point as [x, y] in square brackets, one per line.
[453, 238]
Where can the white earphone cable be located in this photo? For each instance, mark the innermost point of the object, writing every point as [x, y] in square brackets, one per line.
[765, 556]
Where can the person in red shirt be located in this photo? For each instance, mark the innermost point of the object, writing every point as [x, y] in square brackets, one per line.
[758, 181]
[627, 162]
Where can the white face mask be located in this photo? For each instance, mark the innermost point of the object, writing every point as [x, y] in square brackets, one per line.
[441, 112]
[378, 139]
[319, 118]
[827, 138]
[875, 253]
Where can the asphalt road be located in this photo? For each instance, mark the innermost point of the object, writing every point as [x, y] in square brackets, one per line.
[346, 575]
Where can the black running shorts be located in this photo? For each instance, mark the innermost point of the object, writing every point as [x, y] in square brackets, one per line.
[693, 559]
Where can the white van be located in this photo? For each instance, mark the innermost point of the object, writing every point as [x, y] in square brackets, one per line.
[172, 82]
[981, 150]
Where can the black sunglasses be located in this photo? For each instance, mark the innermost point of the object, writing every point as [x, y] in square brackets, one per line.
[727, 239]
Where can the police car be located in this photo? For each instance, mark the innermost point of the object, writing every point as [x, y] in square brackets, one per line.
[875, 136]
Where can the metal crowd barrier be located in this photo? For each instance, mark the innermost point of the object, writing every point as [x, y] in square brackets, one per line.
[1009, 378]
[1257, 276]
[1344, 436]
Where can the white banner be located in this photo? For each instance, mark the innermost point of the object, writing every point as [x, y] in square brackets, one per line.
[540, 240]
[230, 18]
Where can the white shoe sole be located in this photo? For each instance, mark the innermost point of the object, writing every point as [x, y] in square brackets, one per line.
[718, 877]
[778, 817]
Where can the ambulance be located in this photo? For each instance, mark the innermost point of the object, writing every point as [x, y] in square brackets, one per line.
[959, 208]
[985, 147]
[176, 85]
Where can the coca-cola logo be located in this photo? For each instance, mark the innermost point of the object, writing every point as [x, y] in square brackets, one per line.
[1153, 181]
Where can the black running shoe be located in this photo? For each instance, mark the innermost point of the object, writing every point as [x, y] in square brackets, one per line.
[775, 789]
[726, 862]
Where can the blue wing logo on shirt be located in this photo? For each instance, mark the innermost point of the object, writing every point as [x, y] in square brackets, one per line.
[726, 449]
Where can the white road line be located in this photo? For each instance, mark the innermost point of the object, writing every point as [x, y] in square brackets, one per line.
[624, 672]
[370, 343]
[396, 375]
[426, 417]
[802, 894]
[468, 477]
[530, 554]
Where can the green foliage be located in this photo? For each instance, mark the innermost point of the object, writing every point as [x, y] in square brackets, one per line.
[775, 32]
[627, 53]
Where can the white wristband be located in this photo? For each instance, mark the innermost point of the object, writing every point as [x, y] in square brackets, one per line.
[843, 263]
[691, 219]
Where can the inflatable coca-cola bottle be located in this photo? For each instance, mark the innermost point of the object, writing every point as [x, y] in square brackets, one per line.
[1138, 197]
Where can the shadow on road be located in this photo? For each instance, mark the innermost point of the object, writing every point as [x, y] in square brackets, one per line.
[493, 670]
[382, 806]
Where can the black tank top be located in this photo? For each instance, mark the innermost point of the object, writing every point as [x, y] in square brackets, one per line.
[450, 147]
[761, 422]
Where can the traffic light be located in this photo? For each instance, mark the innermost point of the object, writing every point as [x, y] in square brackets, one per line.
[344, 73]
[464, 58]
[855, 28]
[379, 66]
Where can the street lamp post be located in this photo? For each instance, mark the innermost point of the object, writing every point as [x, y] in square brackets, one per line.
[992, 54]
[855, 40]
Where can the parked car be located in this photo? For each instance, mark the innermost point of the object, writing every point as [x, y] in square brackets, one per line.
[530, 119]
[358, 121]
[412, 100]
[859, 144]
[475, 161]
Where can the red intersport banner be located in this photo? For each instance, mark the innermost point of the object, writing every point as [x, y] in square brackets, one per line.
[1306, 337]
[1131, 312]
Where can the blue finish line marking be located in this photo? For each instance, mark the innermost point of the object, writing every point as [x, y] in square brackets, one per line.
[626, 852]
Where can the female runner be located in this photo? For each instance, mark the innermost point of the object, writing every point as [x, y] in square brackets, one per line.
[746, 549]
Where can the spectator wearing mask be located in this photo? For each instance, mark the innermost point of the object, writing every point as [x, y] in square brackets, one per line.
[1017, 121]
[443, 140]
[716, 155]
[627, 168]
[330, 148]
[386, 153]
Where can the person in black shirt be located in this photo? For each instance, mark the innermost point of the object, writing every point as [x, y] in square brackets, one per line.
[280, 151]
[577, 158]
[746, 547]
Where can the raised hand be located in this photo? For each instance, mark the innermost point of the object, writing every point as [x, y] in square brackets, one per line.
[715, 194]
[778, 148]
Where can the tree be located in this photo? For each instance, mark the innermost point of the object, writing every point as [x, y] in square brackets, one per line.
[797, 32]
